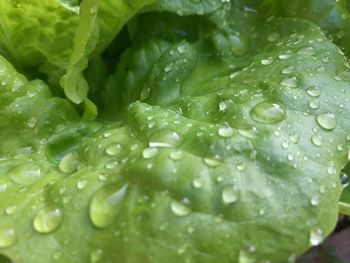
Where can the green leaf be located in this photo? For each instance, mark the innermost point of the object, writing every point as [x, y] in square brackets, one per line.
[222, 160]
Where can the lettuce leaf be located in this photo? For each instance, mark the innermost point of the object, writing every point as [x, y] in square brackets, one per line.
[221, 140]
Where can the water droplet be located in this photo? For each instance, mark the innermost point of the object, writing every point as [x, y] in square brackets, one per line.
[316, 237]
[106, 204]
[247, 255]
[266, 61]
[48, 220]
[32, 122]
[230, 195]
[10, 210]
[291, 82]
[96, 255]
[113, 149]
[315, 201]
[149, 153]
[317, 140]
[179, 209]
[314, 92]
[249, 132]
[225, 132]
[165, 139]
[262, 212]
[7, 236]
[267, 112]
[92, 11]
[294, 138]
[57, 255]
[241, 167]
[344, 178]
[25, 173]
[284, 56]
[176, 155]
[212, 162]
[308, 51]
[331, 170]
[181, 49]
[314, 104]
[273, 37]
[82, 184]
[169, 67]
[290, 157]
[68, 164]
[182, 250]
[287, 70]
[198, 182]
[327, 121]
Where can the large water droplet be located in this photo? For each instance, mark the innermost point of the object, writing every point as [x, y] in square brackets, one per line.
[230, 195]
[316, 237]
[179, 209]
[267, 112]
[106, 204]
[48, 220]
[165, 138]
[7, 236]
[26, 173]
[327, 121]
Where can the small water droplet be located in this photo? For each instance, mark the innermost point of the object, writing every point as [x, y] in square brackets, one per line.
[169, 67]
[68, 164]
[225, 132]
[106, 204]
[82, 184]
[294, 138]
[247, 255]
[317, 140]
[7, 236]
[314, 104]
[10, 210]
[149, 153]
[179, 209]
[96, 255]
[273, 37]
[198, 182]
[291, 82]
[327, 121]
[212, 162]
[267, 61]
[308, 51]
[315, 201]
[287, 70]
[316, 236]
[284, 56]
[164, 139]
[181, 49]
[313, 92]
[113, 149]
[267, 112]
[249, 132]
[241, 167]
[176, 155]
[230, 195]
[32, 122]
[48, 220]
